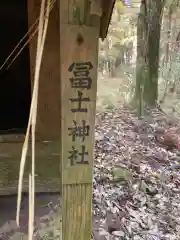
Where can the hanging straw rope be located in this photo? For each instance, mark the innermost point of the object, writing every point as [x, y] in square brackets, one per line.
[42, 31]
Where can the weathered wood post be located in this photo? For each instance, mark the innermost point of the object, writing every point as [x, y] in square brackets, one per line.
[79, 34]
[79, 60]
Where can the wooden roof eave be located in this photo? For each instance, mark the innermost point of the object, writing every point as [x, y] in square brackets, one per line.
[107, 7]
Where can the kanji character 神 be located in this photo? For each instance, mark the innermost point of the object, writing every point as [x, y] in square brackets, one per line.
[79, 131]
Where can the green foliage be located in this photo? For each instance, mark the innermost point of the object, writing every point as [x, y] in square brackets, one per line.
[172, 3]
[109, 106]
[120, 5]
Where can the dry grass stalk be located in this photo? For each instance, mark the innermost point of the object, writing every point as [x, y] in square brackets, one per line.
[42, 31]
[30, 34]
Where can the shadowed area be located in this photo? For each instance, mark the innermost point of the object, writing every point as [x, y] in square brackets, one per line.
[46, 207]
[15, 86]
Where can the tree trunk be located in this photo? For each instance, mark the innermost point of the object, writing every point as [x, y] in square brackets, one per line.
[168, 55]
[148, 39]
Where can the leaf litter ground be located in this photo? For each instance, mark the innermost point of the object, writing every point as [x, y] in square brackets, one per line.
[136, 192]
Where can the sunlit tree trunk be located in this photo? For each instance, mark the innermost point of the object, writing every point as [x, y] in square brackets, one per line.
[148, 40]
[168, 49]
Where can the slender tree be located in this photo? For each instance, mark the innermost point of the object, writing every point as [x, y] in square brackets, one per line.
[148, 40]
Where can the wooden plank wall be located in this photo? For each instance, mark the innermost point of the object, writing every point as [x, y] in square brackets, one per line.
[48, 119]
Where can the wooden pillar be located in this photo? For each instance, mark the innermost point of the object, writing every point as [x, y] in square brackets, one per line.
[79, 33]
[48, 124]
